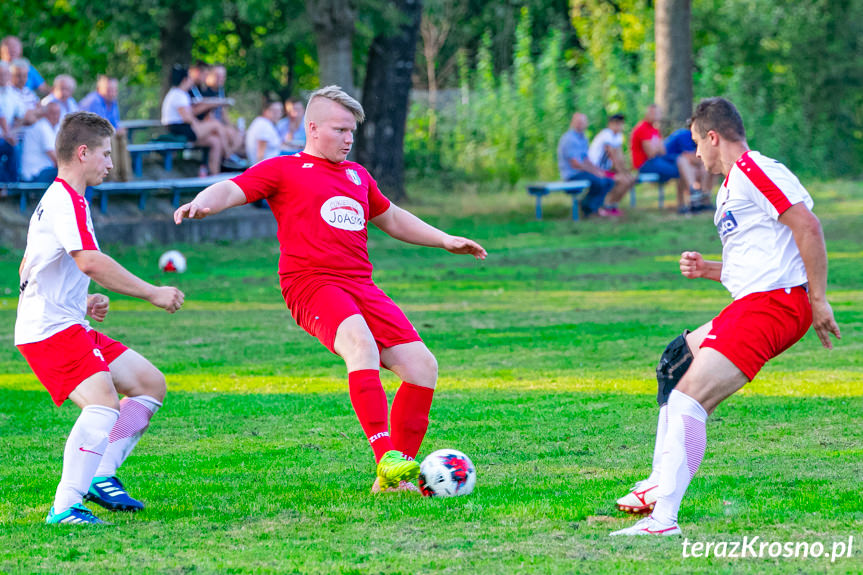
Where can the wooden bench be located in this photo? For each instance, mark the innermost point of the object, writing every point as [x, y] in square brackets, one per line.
[573, 188]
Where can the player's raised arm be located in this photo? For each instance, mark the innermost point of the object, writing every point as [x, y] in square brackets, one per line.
[211, 200]
[109, 274]
[693, 265]
[809, 238]
[404, 226]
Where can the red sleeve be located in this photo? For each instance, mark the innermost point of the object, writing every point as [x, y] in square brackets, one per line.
[378, 203]
[765, 185]
[261, 180]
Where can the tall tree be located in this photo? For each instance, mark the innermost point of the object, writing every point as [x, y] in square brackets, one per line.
[333, 24]
[176, 40]
[673, 61]
[386, 91]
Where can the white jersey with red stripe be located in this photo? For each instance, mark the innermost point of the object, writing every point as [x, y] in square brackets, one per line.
[53, 290]
[758, 253]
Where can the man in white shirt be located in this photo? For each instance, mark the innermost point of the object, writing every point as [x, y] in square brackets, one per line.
[262, 137]
[606, 151]
[13, 115]
[63, 93]
[774, 264]
[69, 358]
[38, 158]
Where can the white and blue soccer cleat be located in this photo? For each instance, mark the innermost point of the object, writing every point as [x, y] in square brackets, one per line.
[75, 515]
[110, 494]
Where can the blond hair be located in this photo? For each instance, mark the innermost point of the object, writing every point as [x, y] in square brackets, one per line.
[339, 96]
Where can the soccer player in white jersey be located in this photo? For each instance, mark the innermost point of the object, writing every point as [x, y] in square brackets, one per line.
[774, 263]
[71, 359]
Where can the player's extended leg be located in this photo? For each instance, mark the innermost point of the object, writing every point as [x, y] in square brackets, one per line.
[144, 387]
[673, 364]
[711, 379]
[355, 344]
[84, 448]
[417, 368]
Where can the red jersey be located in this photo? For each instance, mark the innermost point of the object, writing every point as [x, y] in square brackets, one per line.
[321, 209]
[643, 132]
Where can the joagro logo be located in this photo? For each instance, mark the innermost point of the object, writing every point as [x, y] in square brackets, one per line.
[344, 213]
[727, 224]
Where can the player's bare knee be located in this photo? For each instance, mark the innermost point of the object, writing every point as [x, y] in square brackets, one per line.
[154, 384]
[426, 370]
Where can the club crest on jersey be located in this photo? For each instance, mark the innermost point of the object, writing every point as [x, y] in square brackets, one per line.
[344, 213]
[727, 224]
[353, 176]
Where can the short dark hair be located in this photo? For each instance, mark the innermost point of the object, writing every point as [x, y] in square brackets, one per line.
[81, 128]
[178, 74]
[616, 118]
[719, 115]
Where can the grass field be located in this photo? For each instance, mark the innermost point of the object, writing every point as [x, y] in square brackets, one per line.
[547, 354]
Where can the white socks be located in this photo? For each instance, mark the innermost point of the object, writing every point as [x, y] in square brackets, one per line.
[683, 450]
[84, 449]
[661, 430]
[135, 414]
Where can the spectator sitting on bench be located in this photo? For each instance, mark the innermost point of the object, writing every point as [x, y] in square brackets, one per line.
[213, 92]
[20, 68]
[11, 50]
[680, 143]
[62, 93]
[292, 127]
[103, 102]
[649, 156]
[178, 116]
[573, 164]
[606, 152]
[38, 157]
[13, 115]
[262, 137]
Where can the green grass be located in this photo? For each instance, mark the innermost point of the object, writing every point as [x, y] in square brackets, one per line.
[547, 350]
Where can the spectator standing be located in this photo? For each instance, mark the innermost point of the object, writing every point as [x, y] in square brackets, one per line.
[62, 93]
[38, 156]
[573, 164]
[291, 127]
[103, 102]
[262, 138]
[10, 50]
[606, 152]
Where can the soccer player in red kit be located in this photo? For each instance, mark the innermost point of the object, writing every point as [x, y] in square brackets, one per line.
[774, 264]
[322, 204]
[71, 359]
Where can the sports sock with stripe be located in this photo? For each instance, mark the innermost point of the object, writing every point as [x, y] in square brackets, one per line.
[370, 404]
[135, 414]
[683, 451]
[84, 450]
[410, 417]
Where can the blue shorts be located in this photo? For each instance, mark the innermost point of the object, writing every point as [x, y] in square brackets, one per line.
[665, 166]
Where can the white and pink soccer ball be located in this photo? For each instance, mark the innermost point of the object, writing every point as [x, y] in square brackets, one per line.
[172, 261]
[447, 473]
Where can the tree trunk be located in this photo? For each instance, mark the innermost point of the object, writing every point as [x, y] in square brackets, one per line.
[333, 24]
[176, 40]
[673, 62]
[386, 92]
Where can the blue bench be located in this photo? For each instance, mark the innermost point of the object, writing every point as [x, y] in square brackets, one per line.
[648, 178]
[140, 188]
[541, 189]
[167, 149]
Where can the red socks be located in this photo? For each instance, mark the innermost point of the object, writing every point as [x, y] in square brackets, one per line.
[370, 404]
[410, 417]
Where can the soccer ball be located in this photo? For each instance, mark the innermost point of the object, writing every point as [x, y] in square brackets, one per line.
[446, 473]
[172, 261]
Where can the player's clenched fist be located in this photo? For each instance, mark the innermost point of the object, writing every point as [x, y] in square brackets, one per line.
[97, 306]
[459, 245]
[692, 265]
[168, 298]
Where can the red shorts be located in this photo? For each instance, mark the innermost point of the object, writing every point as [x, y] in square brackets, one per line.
[67, 358]
[325, 302]
[760, 326]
